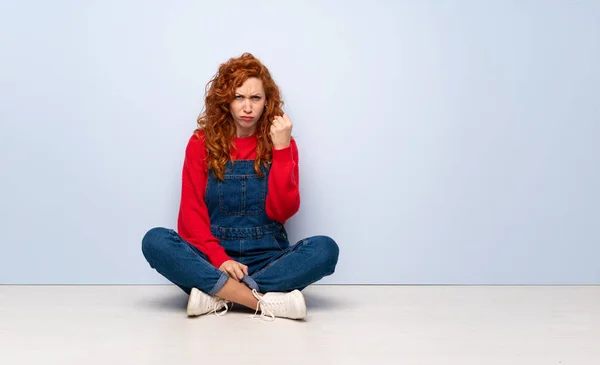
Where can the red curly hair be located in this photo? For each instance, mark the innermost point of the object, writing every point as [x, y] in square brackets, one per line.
[216, 120]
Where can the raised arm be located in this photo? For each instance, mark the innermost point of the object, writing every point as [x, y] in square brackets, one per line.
[283, 197]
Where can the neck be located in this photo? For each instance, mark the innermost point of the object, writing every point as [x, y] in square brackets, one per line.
[244, 133]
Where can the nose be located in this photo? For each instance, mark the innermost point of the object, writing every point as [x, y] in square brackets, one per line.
[247, 106]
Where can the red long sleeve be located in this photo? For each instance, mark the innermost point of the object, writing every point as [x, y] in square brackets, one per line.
[283, 198]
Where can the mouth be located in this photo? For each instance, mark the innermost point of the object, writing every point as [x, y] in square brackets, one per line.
[247, 118]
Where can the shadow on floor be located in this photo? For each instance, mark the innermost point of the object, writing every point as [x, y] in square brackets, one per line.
[322, 301]
[173, 302]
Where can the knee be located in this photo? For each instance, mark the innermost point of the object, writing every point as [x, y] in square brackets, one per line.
[153, 242]
[329, 251]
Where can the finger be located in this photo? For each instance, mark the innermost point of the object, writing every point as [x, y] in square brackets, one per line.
[275, 129]
[239, 274]
[245, 269]
[287, 119]
[235, 274]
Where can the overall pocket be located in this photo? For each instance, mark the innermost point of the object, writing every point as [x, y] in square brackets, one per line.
[242, 194]
[280, 240]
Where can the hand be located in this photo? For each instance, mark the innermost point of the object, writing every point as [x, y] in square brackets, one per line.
[234, 269]
[281, 132]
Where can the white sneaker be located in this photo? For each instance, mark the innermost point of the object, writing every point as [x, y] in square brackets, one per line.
[286, 305]
[201, 303]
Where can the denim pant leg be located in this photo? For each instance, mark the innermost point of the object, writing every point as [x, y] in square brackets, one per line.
[299, 266]
[180, 262]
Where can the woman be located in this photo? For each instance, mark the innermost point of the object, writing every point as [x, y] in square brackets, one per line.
[240, 185]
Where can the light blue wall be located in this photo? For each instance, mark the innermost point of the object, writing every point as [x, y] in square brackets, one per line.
[440, 141]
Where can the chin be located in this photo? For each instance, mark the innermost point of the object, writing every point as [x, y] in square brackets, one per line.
[247, 125]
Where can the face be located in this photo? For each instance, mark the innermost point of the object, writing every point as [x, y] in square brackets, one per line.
[247, 106]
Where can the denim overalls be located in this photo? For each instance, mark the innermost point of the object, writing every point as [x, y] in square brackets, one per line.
[236, 208]
[238, 216]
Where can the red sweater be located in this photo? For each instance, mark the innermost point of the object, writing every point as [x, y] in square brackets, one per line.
[283, 197]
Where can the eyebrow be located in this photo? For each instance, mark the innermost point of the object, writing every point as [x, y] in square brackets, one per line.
[256, 94]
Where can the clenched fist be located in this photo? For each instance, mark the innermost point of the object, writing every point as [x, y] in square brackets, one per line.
[281, 132]
[235, 270]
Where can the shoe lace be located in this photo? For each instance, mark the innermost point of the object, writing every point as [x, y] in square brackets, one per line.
[216, 306]
[267, 308]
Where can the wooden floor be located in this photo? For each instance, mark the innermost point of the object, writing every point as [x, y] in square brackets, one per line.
[345, 325]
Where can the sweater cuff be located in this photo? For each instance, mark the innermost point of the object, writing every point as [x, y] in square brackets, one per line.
[218, 259]
[284, 154]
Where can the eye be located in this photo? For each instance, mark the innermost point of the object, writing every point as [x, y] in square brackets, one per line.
[238, 97]
[256, 97]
